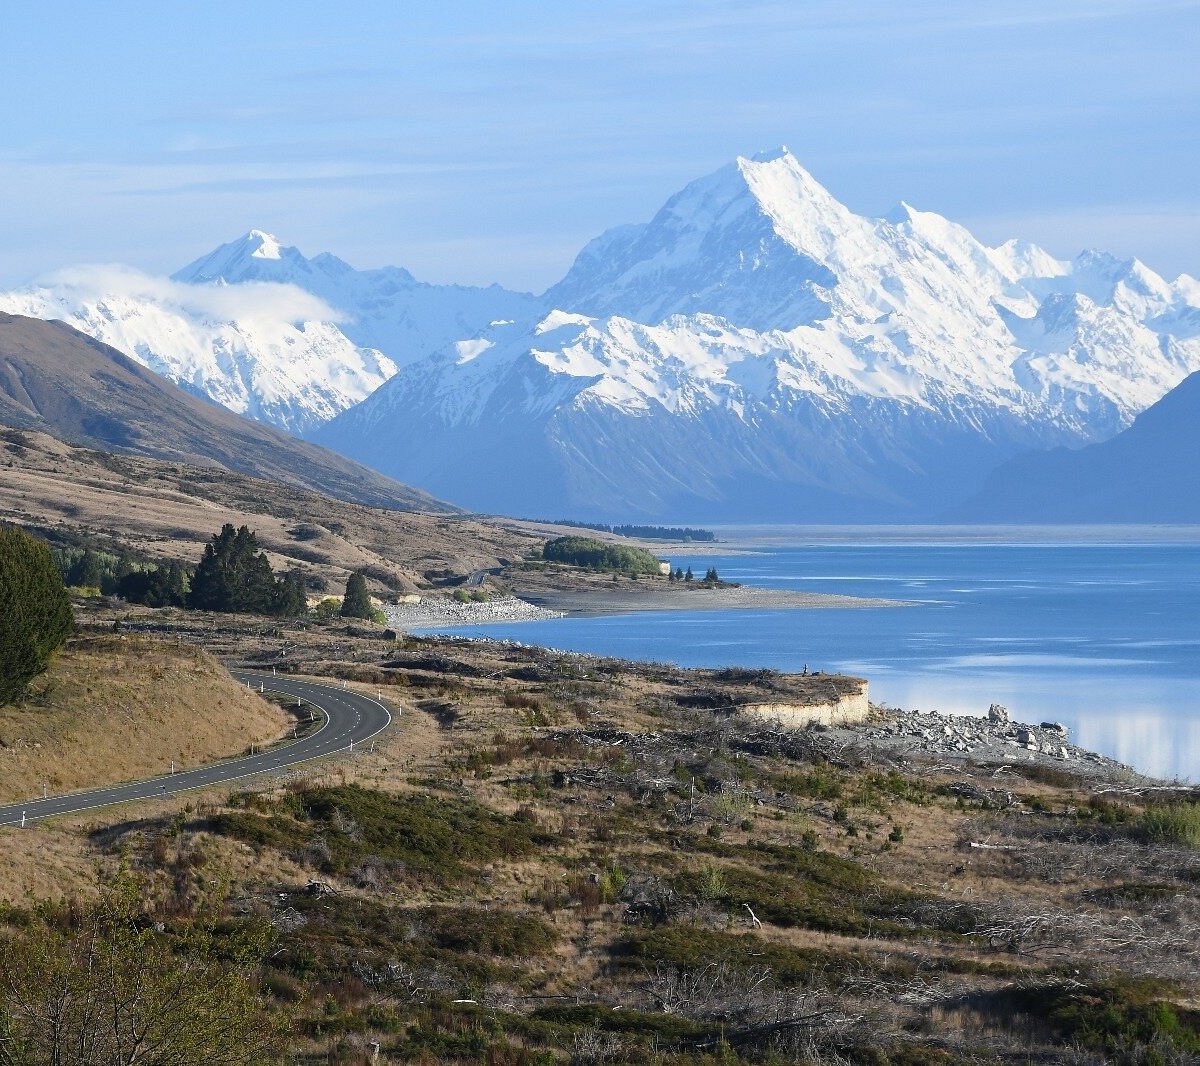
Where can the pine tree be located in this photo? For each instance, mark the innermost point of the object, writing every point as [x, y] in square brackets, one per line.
[233, 575]
[688, 576]
[292, 598]
[87, 571]
[35, 611]
[357, 601]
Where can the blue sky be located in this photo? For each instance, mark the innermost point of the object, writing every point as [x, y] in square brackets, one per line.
[482, 142]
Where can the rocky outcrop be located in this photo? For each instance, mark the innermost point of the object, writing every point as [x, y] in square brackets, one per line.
[847, 709]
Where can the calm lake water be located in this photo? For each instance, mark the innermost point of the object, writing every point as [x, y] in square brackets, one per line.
[1098, 629]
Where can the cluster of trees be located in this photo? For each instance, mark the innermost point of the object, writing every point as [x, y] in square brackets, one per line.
[675, 533]
[710, 575]
[86, 568]
[166, 585]
[600, 555]
[234, 575]
[35, 611]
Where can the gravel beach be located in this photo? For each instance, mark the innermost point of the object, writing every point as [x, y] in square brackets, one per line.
[445, 613]
[670, 598]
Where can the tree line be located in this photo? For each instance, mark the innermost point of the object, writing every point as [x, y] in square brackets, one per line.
[674, 533]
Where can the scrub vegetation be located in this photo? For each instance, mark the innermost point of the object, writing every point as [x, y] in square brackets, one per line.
[557, 859]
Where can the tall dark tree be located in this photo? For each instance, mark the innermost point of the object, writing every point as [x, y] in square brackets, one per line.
[357, 601]
[235, 576]
[87, 571]
[292, 598]
[35, 611]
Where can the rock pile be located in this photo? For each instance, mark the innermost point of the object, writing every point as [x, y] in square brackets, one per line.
[991, 738]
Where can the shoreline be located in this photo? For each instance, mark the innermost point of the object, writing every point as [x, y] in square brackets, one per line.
[593, 603]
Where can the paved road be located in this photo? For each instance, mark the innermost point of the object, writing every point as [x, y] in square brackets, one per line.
[349, 717]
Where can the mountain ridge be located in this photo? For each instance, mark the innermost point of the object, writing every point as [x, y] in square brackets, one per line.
[883, 366]
[58, 380]
[1147, 473]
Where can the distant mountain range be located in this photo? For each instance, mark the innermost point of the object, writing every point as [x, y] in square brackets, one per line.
[1148, 473]
[59, 381]
[756, 351]
[265, 332]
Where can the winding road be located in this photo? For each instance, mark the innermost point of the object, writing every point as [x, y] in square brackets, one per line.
[350, 719]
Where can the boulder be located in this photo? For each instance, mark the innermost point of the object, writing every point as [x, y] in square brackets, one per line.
[997, 713]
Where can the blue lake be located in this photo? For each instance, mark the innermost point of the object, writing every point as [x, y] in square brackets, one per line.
[1099, 630]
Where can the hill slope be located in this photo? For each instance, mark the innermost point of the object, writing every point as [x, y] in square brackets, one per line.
[60, 381]
[163, 511]
[1148, 473]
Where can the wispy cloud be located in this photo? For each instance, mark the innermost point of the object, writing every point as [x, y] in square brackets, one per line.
[250, 301]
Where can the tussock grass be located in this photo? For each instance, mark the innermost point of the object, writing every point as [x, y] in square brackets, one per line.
[1177, 824]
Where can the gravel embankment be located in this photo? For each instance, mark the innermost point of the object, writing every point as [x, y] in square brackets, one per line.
[441, 614]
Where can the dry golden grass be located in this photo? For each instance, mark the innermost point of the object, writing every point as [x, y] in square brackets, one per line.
[170, 510]
[120, 707]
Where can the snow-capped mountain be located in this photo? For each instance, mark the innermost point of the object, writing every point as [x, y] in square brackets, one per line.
[386, 308]
[258, 328]
[759, 351]
[270, 352]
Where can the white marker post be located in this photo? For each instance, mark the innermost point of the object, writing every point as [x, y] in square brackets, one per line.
[45, 790]
[22, 819]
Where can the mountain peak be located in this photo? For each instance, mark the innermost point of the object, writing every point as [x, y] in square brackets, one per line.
[255, 256]
[771, 155]
[262, 245]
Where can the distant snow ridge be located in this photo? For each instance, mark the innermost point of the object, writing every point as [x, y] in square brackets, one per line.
[758, 351]
[260, 329]
[386, 308]
[270, 352]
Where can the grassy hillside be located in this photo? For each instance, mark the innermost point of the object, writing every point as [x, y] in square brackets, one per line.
[561, 859]
[57, 380]
[164, 511]
[119, 707]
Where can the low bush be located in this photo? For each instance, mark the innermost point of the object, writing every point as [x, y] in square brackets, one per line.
[1176, 824]
[430, 837]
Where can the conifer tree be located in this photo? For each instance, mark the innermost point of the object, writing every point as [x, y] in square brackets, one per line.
[357, 601]
[293, 600]
[35, 611]
[87, 571]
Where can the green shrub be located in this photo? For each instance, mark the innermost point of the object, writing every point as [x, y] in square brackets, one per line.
[1177, 824]
[432, 837]
[35, 611]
